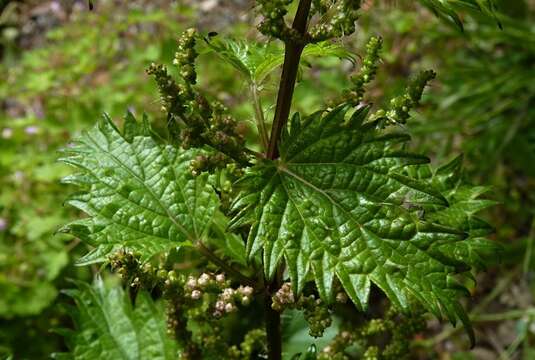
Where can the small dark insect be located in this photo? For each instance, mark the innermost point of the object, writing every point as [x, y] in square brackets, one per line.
[212, 34]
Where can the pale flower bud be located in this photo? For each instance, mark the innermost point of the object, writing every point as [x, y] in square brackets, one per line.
[204, 279]
[196, 294]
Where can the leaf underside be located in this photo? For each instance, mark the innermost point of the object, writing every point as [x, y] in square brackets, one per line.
[108, 326]
[138, 194]
[340, 204]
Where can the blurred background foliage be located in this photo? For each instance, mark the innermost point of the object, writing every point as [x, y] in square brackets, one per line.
[62, 66]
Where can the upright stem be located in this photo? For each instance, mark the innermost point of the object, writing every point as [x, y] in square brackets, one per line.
[292, 56]
[273, 329]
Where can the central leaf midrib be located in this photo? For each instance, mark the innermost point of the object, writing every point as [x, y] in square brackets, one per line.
[142, 182]
[285, 170]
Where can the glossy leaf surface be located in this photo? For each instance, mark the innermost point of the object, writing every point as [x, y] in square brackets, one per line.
[138, 193]
[339, 204]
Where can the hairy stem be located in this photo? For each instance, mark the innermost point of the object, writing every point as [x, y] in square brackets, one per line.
[292, 56]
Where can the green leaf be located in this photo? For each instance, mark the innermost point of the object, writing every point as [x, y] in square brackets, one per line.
[449, 9]
[464, 204]
[464, 199]
[109, 327]
[227, 244]
[138, 193]
[337, 205]
[256, 61]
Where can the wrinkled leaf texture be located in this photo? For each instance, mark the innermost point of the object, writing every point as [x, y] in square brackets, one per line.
[341, 204]
[138, 194]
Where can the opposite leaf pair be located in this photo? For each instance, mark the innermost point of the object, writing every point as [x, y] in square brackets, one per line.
[345, 202]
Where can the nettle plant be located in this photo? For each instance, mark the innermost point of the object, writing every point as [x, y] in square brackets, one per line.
[329, 217]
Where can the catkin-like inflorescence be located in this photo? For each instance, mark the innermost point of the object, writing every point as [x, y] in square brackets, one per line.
[193, 121]
[368, 69]
[172, 95]
[186, 55]
[401, 106]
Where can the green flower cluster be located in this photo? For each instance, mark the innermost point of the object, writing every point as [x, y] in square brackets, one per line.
[273, 24]
[172, 95]
[400, 106]
[395, 328]
[337, 19]
[202, 300]
[368, 69]
[316, 313]
[186, 55]
[137, 275]
[192, 120]
[253, 343]
[341, 18]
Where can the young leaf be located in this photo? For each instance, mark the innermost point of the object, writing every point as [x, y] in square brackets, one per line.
[109, 327]
[256, 62]
[335, 205]
[138, 194]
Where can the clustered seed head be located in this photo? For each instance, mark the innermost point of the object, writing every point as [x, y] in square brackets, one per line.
[283, 298]
[254, 341]
[227, 300]
[371, 353]
[128, 266]
[397, 328]
[172, 95]
[374, 327]
[336, 349]
[194, 287]
[368, 69]
[204, 298]
[314, 310]
[273, 24]
[343, 15]
[211, 162]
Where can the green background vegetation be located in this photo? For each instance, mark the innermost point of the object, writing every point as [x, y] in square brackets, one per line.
[62, 66]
